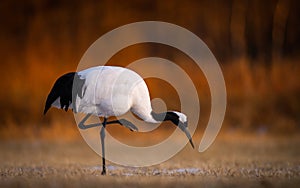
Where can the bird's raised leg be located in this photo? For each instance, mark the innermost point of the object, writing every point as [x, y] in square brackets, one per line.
[81, 124]
[102, 136]
[125, 123]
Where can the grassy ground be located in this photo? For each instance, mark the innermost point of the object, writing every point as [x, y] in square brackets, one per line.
[248, 161]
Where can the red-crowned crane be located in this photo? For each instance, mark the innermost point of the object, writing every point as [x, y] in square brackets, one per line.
[106, 91]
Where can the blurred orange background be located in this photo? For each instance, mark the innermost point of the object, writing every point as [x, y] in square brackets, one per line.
[257, 44]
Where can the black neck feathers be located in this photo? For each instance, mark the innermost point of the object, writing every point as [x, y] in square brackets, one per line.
[166, 116]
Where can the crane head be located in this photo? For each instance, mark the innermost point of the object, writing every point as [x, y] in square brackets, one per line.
[181, 121]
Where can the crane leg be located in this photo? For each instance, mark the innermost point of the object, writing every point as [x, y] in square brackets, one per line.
[124, 123]
[102, 136]
[81, 124]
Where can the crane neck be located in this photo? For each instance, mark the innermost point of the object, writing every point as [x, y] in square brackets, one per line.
[166, 116]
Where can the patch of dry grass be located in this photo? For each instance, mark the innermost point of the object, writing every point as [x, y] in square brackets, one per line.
[233, 160]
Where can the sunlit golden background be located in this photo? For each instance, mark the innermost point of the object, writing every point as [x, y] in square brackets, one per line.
[257, 44]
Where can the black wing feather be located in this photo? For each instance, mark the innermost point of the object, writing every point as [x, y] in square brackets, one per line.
[62, 88]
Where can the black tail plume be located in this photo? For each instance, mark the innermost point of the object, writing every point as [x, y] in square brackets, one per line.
[62, 88]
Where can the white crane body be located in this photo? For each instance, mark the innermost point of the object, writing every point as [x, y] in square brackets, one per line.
[106, 91]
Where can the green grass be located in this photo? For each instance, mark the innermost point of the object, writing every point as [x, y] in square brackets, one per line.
[242, 161]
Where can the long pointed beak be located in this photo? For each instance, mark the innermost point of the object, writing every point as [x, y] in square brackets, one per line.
[185, 130]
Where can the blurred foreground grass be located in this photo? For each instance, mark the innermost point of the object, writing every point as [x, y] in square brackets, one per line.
[233, 160]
